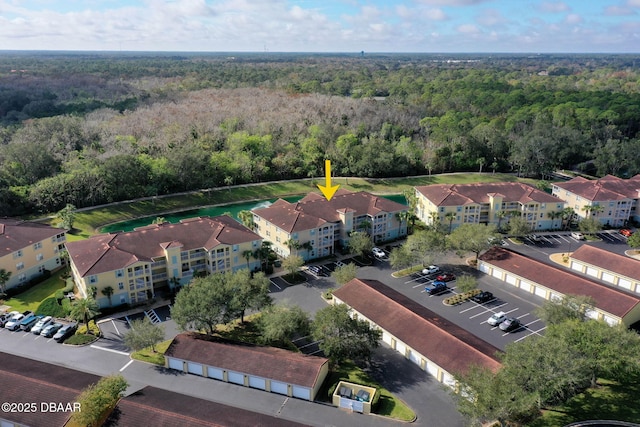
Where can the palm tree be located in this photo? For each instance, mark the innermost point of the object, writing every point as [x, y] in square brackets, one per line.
[262, 253]
[247, 255]
[403, 216]
[246, 218]
[293, 245]
[501, 215]
[85, 309]
[365, 225]
[567, 216]
[592, 209]
[553, 215]
[107, 292]
[307, 246]
[4, 278]
[450, 216]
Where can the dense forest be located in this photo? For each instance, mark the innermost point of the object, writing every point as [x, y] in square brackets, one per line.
[91, 128]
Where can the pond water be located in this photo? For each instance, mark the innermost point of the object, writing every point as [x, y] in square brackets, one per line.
[233, 208]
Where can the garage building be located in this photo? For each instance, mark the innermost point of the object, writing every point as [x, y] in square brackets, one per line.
[613, 269]
[264, 368]
[547, 281]
[436, 345]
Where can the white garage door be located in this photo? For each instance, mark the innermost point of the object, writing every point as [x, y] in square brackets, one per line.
[541, 292]
[432, 369]
[592, 314]
[386, 338]
[497, 273]
[414, 357]
[448, 379]
[301, 392]
[526, 286]
[259, 383]
[176, 364]
[484, 268]
[608, 277]
[194, 368]
[235, 378]
[555, 297]
[624, 283]
[592, 272]
[510, 279]
[612, 321]
[278, 387]
[215, 373]
[401, 348]
[576, 266]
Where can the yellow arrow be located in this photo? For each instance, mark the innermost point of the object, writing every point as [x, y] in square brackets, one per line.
[328, 190]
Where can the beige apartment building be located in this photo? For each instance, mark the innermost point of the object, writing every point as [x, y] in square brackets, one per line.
[612, 200]
[488, 203]
[316, 227]
[135, 264]
[27, 249]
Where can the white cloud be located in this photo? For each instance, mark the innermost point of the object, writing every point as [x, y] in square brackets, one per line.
[633, 3]
[451, 2]
[435, 15]
[573, 18]
[468, 29]
[553, 7]
[491, 18]
[619, 11]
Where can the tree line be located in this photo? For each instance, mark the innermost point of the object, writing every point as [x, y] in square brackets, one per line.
[92, 129]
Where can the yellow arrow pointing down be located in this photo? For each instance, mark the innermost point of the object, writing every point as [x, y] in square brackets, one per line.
[328, 190]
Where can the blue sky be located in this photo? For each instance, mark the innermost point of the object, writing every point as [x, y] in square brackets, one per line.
[322, 25]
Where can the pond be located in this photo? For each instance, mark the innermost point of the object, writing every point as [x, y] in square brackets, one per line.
[233, 208]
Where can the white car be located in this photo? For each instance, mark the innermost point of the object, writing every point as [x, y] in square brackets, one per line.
[432, 269]
[378, 253]
[41, 324]
[576, 235]
[14, 323]
[497, 318]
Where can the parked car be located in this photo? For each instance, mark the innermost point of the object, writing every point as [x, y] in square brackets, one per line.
[577, 235]
[432, 269]
[316, 269]
[51, 329]
[534, 237]
[482, 297]
[65, 332]
[41, 324]
[446, 277]
[14, 322]
[4, 318]
[510, 324]
[436, 287]
[626, 232]
[496, 241]
[497, 318]
[378, 253]
[27, 323]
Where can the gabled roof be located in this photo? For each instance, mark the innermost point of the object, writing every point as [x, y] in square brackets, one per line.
[314, 210]
[16, 235]
[446, 344]
[108, 252]
[162, 408]
[564, 282]
[480, 193]
[604, 189]
[606, 260]
[266, 362]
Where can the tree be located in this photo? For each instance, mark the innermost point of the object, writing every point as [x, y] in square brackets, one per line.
[247, 292]
[472, 238]
[567, 217]
[5, 276]
[84, 310]
[422, 246]
[518, 226]
[97, 400]
[568, 307]
[553, 215]
[401, 257]
[246, 218]
[67, 216]
[360, 243]
[342, 337]
[633, 241]
[590, 225]
[593, 210]
[262, 253]
[293, 245]
[143, 334]
[158, 220]
[450, 216]
[501, 215]
[345, 273]
[247, 254]
[107, 292]
[403, 217]
[292, 264]
[466, 283]
[279, 323]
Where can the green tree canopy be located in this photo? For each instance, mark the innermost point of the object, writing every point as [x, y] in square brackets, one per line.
[99, 399]
[472, 238]
[568, 307]
[84, 310]
[360, 243]
[345, 273]
[142, 334]
[279, 323]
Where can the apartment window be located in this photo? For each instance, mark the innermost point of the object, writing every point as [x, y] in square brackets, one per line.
[22, 278]
[41, 269]
[37, 246]
[17, 254]
[123, 299]
[459, 209]
[119, 273]
[20, 266]
[39, 257]
[268, 233]
[442, 209]
[235, 248]
[312, 232]
[121, 285]
[93, 279]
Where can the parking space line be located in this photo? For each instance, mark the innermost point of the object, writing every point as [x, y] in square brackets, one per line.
[274, 284]
[473, 308]
[109, 349]
[116, 328]
[526, 314]
[531, 323]
[127, 365]
[489, 309]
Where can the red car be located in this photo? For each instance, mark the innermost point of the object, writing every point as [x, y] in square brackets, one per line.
[446, 277]
[626, 232]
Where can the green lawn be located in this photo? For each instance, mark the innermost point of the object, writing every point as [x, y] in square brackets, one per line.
[149, 356]
[610, 401]
[88, 221]
[31, 299]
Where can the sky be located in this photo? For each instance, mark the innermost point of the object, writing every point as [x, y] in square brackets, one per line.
[530, 26]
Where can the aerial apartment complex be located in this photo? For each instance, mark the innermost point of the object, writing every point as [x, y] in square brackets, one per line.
[316, 227]
[136, 263]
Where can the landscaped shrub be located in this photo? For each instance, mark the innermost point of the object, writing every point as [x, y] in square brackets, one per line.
[80, 339]
[50, 307]
[93, 327]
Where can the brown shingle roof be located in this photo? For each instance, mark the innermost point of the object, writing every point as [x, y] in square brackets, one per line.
[606, 188]
[25, 380]
[15, 234]
[463, 194]
[446, 344]
[606, 260]
[267, 362]
[563, 281]
[108, 252]
[314, 210]
[162, 408]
